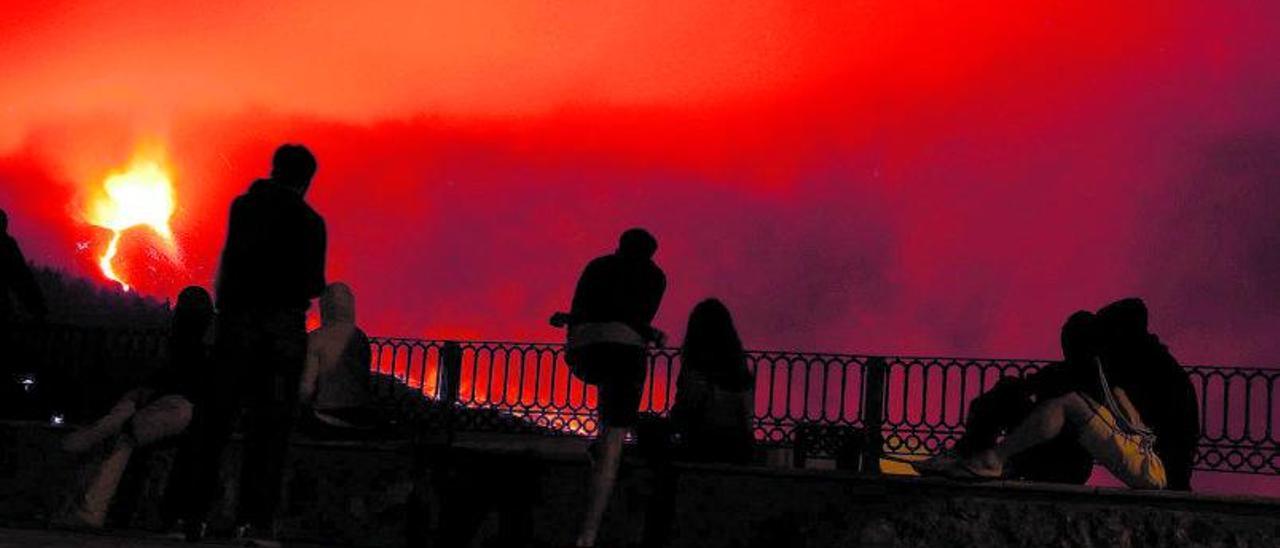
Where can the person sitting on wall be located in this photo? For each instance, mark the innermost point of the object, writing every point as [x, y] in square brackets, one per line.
[999, 410]
[335, 380]
[1158, 385]
[1132, 421]
[714, 403]
[160, 409]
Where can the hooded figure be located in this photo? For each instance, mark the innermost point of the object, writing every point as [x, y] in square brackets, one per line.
[335, 381]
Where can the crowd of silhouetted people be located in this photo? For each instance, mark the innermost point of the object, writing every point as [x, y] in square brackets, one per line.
[244, 356]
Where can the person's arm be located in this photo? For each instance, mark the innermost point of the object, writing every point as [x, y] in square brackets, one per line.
[364, 353]
[309, 384]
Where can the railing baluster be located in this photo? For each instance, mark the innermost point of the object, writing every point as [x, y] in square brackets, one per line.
[875, 395]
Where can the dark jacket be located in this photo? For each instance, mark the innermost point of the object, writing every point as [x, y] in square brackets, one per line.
[274, 256]
[619, 288]
[16, 278]
[1164, 397]
[713, 420]
[184, 372]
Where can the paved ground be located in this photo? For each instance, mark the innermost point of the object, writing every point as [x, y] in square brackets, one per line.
[33, 538]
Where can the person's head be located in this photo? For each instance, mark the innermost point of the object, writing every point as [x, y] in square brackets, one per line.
[1079, 336]
[1123, 322]
[337, 304]
[292, 167]
[4, 222]
[711, 345]
[637, 243]
[192, 314]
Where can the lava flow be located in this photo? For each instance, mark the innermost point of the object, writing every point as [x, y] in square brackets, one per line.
[141, 195]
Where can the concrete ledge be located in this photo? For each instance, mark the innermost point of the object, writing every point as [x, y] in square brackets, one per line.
[499, 490]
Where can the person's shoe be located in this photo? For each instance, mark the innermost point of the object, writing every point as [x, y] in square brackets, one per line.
[257, 537]
[935, 465]
[971, 470]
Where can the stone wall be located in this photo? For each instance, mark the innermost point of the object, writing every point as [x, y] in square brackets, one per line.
[499, 491]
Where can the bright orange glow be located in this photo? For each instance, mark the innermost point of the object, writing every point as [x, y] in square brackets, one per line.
[141, 195]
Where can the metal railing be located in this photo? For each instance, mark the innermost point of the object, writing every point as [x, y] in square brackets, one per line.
[813, 402]
[896, 404]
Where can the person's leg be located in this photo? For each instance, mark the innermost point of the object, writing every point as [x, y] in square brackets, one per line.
[270, 423]
[604, 473]
[210, 432]
[177, 489]
[992, 413]
[214, 420]
[1045, 422]
[162, 419]
[109, 426]
[96, 501]
[619, 402]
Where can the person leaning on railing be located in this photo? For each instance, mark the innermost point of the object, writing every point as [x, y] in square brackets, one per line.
[609, 325]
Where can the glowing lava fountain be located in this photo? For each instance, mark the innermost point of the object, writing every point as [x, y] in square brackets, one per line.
[142, 195]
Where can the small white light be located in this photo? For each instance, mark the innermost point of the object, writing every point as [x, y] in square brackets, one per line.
[57, 419]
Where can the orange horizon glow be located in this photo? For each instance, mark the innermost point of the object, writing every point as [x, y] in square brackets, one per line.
[854, 176]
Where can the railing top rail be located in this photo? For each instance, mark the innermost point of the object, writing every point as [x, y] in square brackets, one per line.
[889, 357]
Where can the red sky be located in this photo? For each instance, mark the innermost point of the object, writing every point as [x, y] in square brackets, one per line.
[919, 178]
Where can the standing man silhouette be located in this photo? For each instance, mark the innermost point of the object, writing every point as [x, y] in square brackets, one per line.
[272, 267]
[609, 325]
